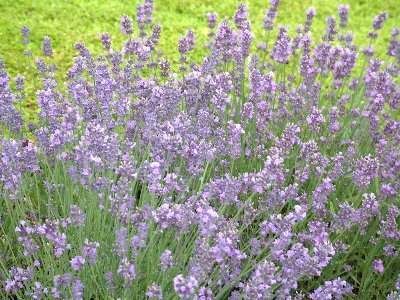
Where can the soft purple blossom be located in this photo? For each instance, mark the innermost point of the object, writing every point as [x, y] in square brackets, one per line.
[331, 30]
[379, 20]
[89, 251]
[154, 292]
[343, 10]
[211, 19]
[185, 287]
[76, 216]
[366, 170]
[25, 32]
[77, 290]
[17, 279]
[389, 227]
[46, 46]
[270, 15]
[126, 25]
[332, 289]
[127, 271]
[121, 241]
[186, 43]
[310, 14]
[77, 263]
[166, 260]
[9, 116]
[262, 281]
[38, 291]
[315, 119]
[16, 159]
[283, 47]
[205, 294]
[105, 39]
[377, 265]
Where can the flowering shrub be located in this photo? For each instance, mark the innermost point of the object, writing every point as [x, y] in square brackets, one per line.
[268, 172]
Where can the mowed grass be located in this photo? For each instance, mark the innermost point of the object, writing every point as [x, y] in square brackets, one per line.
[67, 22]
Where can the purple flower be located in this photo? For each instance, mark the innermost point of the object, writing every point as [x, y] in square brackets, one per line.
[121, 241]
[395, 295]
[262, 281]
[138, 241]
[9, 116]
[270, 15]
[60, 284]
[77, 290]
[390, 250]
[18, 278]
[379, 20]
[310, 14]
[126, 25]
[154, 292]
[321, 194]
[315, 119]
[25, 233]
[106, 40]
[46, 46]
[366, 170]
[348, 216]
[343, 10]
[77, 263]
[226, 249]
[332, 289]
[16, 159]
[225, 190]
[394, 44]
[277, 224]
[388, 227]
[185, 287]
[186, 43]
[378, 267]
[38, 291]
[51, 231]
[211, 19]
[89, 251]
[205, 294]
[97, 150]
[76, 216]
[330, 29]
[241, 17]
[166, 260]
[282, 48]
[109, 278]
[127, 271]
[144, 14]
[25, 32]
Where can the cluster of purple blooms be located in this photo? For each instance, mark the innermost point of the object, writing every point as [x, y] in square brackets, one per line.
[245, 176]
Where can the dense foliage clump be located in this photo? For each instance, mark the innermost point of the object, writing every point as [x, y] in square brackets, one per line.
[268, 171]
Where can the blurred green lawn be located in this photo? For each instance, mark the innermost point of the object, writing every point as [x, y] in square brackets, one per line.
[82, 20]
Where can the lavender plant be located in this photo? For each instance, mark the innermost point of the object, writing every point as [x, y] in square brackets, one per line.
[259, 173]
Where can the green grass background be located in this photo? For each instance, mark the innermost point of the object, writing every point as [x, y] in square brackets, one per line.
[67, 22]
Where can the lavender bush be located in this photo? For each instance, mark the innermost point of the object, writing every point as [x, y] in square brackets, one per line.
[267, 171]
